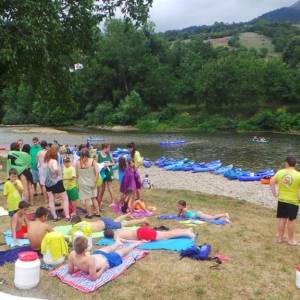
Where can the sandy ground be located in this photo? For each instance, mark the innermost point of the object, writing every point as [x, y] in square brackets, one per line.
[36, 130]
[211, 184]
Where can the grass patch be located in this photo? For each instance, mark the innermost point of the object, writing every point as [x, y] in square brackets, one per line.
[220, 42]
[259, 267]
[257, 41]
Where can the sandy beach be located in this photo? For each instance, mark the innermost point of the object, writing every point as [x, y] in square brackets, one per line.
[211, 184]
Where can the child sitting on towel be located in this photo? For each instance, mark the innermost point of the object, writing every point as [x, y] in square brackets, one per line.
[100, 261]
[147, 184]
[19, 223]
[186, 213]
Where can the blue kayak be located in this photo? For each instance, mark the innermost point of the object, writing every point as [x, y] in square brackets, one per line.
[172, 143]
[147, 163]
[208, 167]
[222, 170]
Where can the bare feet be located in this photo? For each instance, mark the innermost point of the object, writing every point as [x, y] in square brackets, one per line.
[191, 233]
[293, 243]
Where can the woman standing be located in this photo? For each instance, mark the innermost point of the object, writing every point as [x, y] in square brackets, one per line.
[104, 157]
[54, 183]
[21, 161]
[87, 174]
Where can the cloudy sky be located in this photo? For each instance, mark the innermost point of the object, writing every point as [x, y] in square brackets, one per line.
[177, 14]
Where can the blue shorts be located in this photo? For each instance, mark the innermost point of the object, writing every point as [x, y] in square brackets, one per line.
[35, 176]
[111, 224]
[113, 258]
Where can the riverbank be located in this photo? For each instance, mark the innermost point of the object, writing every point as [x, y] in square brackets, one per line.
[211, 184]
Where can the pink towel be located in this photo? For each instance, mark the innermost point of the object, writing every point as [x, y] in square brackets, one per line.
[137, 214]
[81, 281]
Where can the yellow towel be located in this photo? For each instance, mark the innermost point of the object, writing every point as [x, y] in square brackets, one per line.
[84, 227]
[56, 244]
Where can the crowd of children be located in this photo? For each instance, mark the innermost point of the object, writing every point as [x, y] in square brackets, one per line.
[79, 178]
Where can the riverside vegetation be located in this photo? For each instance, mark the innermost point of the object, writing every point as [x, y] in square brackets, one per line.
[134, 76]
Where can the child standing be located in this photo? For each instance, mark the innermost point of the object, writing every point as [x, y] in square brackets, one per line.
[122, 167]
[147, 184]
[70, 182]
[12, 191]
[19, 222]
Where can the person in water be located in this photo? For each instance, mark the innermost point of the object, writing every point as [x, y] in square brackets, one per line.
[186, 213]
[100, 261]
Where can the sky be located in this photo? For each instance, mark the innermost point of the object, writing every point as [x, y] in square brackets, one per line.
[178, 14]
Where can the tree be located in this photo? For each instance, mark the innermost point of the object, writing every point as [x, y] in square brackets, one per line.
[291, 54]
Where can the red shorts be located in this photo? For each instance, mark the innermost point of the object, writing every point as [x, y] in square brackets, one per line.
[146, 233]
[20, 234]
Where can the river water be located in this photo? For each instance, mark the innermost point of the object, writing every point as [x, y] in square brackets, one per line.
[231, 148]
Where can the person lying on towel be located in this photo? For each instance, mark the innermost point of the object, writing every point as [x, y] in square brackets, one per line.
[186, 213]
[19, 222]
[148, 234]
[98, 262]
[107, 223]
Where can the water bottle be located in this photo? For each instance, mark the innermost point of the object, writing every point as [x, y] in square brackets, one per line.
[298, 276]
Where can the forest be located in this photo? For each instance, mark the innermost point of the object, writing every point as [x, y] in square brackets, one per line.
[61, 68]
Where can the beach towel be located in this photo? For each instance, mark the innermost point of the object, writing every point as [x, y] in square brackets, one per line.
[66, 228]
[177, 244]
[10, 241]
[174, 217]
[81, 281]
[137, 214]
[11, 255]
[192, 222]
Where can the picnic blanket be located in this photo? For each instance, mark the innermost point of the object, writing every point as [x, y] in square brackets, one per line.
[81, 281]
[177, 244]
[11, 255]
[66, 228]
[174, 217]
[10, 241]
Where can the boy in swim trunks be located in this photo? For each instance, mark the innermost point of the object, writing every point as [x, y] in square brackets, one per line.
[100, 261]
[148, 234]
[107, 223]
[186, 213]
[19, 222]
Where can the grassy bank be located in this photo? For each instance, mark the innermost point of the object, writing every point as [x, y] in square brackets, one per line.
[259, 268]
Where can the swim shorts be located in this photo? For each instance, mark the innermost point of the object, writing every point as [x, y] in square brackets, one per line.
[111, 224]
[73, 194]
[287, 211]
[21, 233]
[113, 258]
[146, 233]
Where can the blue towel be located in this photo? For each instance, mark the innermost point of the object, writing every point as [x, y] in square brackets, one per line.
[10, 241]
[11, 255]
[177, 244]
[174, 217]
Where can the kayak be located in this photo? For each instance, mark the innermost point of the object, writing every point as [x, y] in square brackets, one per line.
[256, 176]
[95, 139]
[208, 167]
[222, 170]
[172, 143]
[234, 174]
[147, 164]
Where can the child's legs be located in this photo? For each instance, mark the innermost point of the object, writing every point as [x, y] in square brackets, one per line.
[291, 230]
[52, 204]
[111, 192]
[140, 203]
[25, 186]
[134, 222]
[45, 196]
[202, 215]
[30, 191]
[137, 194]
[88, 206]
[96, 206]
[164, 235]
[64, 197]
[101, 193]
[126, 250]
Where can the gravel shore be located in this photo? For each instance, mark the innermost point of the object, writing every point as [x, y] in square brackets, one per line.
[211, 184]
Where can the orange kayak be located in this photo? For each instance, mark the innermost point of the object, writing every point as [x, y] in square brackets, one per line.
[265, 181]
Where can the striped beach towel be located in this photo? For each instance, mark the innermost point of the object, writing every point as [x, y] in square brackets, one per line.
[81, 281]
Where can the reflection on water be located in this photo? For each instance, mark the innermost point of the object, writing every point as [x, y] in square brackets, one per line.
[229, 147]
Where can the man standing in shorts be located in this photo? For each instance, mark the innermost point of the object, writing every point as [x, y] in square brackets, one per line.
[288, 182]
[35, 148]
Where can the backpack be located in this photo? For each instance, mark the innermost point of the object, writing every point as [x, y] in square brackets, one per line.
[197, 252]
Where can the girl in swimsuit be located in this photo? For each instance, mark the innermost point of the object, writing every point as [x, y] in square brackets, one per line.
[186, 213]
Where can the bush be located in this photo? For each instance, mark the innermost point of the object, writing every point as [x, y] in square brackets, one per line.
[130, 109]
[147, 124]
[167, 113]
[213, 123]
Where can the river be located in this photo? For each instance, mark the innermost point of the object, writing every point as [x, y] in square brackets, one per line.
[231, 148]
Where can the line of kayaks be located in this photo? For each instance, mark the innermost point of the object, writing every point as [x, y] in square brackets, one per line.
[216, 167]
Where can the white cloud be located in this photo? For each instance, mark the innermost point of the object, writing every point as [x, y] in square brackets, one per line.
[177, 14]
